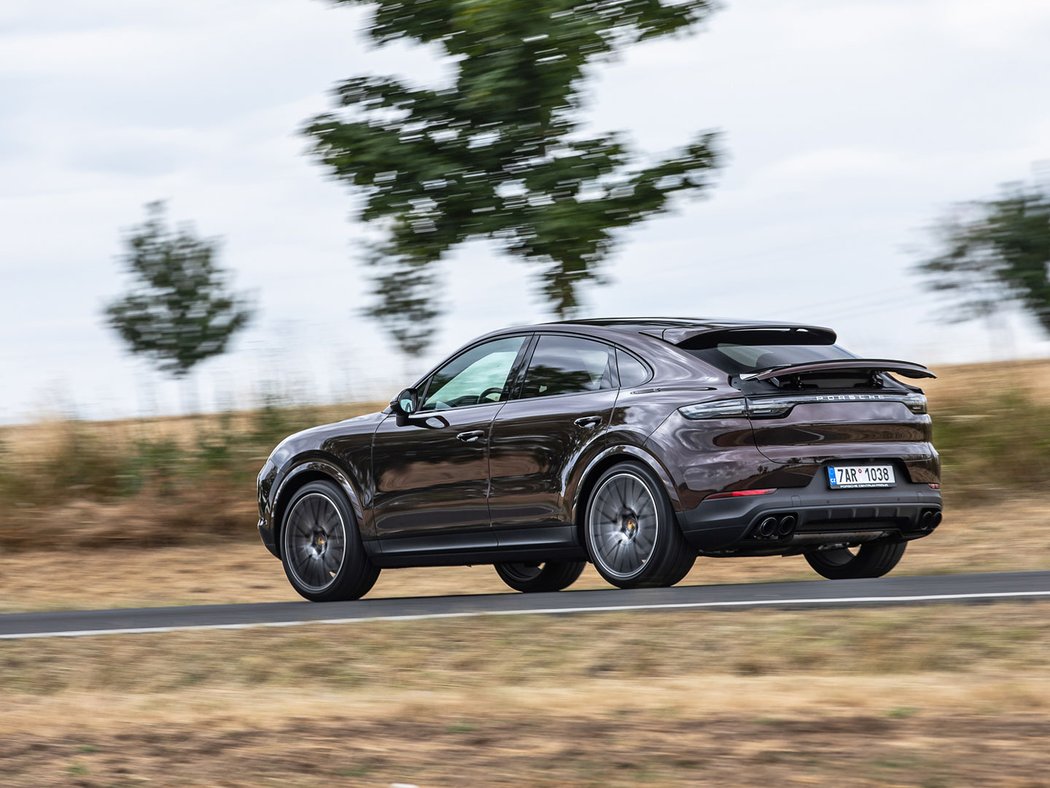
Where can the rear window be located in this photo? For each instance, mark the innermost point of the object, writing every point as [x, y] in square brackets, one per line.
[739, 359]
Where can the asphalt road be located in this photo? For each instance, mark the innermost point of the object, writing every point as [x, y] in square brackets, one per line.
[968, 588]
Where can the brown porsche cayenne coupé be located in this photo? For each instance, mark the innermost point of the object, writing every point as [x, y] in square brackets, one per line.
[636, 444]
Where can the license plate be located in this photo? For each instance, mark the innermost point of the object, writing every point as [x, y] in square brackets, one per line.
[841, 477]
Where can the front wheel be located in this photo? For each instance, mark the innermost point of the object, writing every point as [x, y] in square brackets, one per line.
[630, 530]
[871, 559]
[320, 547]
[532, 577]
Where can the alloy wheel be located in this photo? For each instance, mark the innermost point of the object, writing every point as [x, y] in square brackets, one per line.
[623, 525]
[315, 541]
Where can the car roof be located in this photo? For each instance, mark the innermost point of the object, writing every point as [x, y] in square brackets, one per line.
[675, 330]
[638, 324]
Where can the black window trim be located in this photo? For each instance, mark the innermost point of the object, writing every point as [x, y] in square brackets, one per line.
[520, 367]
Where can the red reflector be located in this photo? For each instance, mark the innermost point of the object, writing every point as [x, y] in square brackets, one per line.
[741, 493]
[935, 486]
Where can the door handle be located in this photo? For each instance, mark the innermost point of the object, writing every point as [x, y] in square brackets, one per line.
[470, 437]
[588, 421]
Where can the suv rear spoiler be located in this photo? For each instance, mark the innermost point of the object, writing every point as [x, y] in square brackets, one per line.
[904, 368]
[698, 338]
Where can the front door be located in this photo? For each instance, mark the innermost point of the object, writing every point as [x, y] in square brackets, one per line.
[431, 472]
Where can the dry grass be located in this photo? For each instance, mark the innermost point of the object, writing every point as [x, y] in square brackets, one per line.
[140, 482]
[962, 382]
[212, 513]
[31, 440]
[929, 696]
[333, 746]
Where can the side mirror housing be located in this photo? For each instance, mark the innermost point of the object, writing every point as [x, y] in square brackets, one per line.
[405, 404]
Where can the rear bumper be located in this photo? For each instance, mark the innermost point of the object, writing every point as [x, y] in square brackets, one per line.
[811, 515]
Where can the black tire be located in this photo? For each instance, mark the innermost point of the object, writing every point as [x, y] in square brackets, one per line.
[630, 530]
[871, 559]
[533, 577]
[321, 548]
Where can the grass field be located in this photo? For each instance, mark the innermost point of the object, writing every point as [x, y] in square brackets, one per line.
[911, 696]
[961, 383]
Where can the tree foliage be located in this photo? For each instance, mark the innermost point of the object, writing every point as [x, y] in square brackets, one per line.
[995, 252]
[498, 153]
[406, 304]
[178, 310]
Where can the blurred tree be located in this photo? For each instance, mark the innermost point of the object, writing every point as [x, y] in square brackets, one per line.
[178, 311]
[498, 153]
[995, 252]
[405, 305]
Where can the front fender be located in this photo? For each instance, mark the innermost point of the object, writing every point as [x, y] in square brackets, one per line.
[301, 470]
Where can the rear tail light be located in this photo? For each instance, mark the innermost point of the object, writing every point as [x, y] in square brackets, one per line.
[916, 403]
[771, 407]
[718, 409]
[767, 408]
[737, 407]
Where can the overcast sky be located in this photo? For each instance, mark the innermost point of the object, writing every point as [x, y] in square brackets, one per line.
[850, 125]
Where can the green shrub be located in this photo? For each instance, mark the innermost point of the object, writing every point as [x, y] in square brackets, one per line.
[991, 446]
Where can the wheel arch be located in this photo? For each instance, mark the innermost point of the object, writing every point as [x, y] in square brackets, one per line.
[607, 459]
[304, 473]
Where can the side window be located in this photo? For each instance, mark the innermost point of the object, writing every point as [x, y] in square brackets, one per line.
[566, 365]
[632, 371]
[475, 377]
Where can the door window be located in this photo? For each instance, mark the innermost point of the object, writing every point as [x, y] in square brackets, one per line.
[567, 365]
[632, 371]
[475, 377]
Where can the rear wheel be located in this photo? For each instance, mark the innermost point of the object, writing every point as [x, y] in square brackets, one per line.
[871, 559]
[320, 547]
[532, 577]
[630, 530]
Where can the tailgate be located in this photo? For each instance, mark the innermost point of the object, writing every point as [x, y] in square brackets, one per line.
[820, 427]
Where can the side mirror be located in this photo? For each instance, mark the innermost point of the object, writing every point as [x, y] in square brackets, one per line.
[406, 403]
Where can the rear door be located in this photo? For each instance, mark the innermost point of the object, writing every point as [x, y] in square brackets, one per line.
[565, 402]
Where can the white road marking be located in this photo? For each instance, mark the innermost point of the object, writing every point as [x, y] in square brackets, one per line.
[829, 602]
